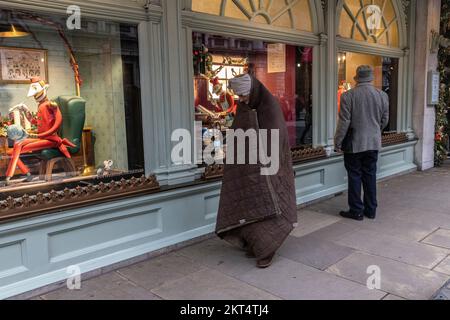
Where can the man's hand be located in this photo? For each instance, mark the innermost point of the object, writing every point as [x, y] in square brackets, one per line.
[338, 150]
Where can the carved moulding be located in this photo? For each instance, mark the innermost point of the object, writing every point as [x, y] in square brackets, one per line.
[298, 155]
[308, 154]
[213, 171]
[42, 203]
[391, 138]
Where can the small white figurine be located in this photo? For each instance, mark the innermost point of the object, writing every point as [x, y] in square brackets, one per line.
[106, 170]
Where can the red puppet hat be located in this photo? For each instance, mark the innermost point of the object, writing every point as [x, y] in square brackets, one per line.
[37, 80]
[214, 81]
[217, 86]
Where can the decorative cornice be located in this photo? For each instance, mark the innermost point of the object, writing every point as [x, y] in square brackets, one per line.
[405, 10]
[40, 203]
[132, 10]
[323, 38]
[324, 4]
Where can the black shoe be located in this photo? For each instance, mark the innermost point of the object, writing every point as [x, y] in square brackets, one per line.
[351, 215]
[370, 216]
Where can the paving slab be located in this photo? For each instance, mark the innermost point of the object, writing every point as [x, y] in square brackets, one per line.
[335, 204]
[397, 278]
[425, 204]
[395, 248]
[310, 221]
[427, 218]
[443, 293]
[313, 252]
[153, 273]
[334, 231]
[440, 238]
[444, 266]
[218, 254]
[110, 286]
[391, 297]
[294, 281]
[211, 284]
[387, 225]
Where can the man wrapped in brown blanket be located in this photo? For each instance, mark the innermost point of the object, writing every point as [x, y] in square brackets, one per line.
[258, 211]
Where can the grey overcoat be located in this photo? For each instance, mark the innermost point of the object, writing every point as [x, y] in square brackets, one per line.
[364, 109]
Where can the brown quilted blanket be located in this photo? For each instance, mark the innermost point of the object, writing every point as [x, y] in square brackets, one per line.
[247, 196]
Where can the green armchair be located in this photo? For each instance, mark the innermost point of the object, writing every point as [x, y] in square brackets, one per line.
[73, 111]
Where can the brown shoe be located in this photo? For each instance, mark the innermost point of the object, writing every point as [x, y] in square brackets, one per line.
[266, 262]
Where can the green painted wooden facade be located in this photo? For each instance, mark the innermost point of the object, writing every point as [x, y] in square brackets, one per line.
[36, 252]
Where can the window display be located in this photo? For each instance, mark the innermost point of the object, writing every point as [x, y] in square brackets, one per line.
[284, 69]
[70, 109]
[386, 78]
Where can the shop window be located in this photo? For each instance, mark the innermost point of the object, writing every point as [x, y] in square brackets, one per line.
[293, 14]
[90, 130]
[373, 21]
[386, 78]
[286, 70]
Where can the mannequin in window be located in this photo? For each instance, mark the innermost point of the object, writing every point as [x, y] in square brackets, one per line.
[225, 102]
[49, 120]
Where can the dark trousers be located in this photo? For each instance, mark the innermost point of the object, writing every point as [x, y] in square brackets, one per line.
[362, 171]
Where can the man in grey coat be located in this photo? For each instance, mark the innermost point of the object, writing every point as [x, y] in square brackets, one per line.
[363, 116]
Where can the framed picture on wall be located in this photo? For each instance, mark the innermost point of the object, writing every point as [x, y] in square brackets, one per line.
[19, 65]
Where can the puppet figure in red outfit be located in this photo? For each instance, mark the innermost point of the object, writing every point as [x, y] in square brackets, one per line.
[225, 102]
[49, 120]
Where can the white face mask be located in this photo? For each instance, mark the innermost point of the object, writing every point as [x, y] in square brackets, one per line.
[38, 91]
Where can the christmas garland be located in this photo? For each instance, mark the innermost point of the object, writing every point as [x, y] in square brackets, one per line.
[442, 110]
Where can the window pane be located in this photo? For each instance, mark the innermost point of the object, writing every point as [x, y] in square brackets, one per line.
[210, 6]
[373, 21]
[386, 78]
[103, 124]
[284, 69]
[293, 15]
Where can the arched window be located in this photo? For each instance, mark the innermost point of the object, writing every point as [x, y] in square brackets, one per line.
[293, 14]
[373, 21]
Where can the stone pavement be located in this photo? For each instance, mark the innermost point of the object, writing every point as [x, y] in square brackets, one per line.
[326, 257]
